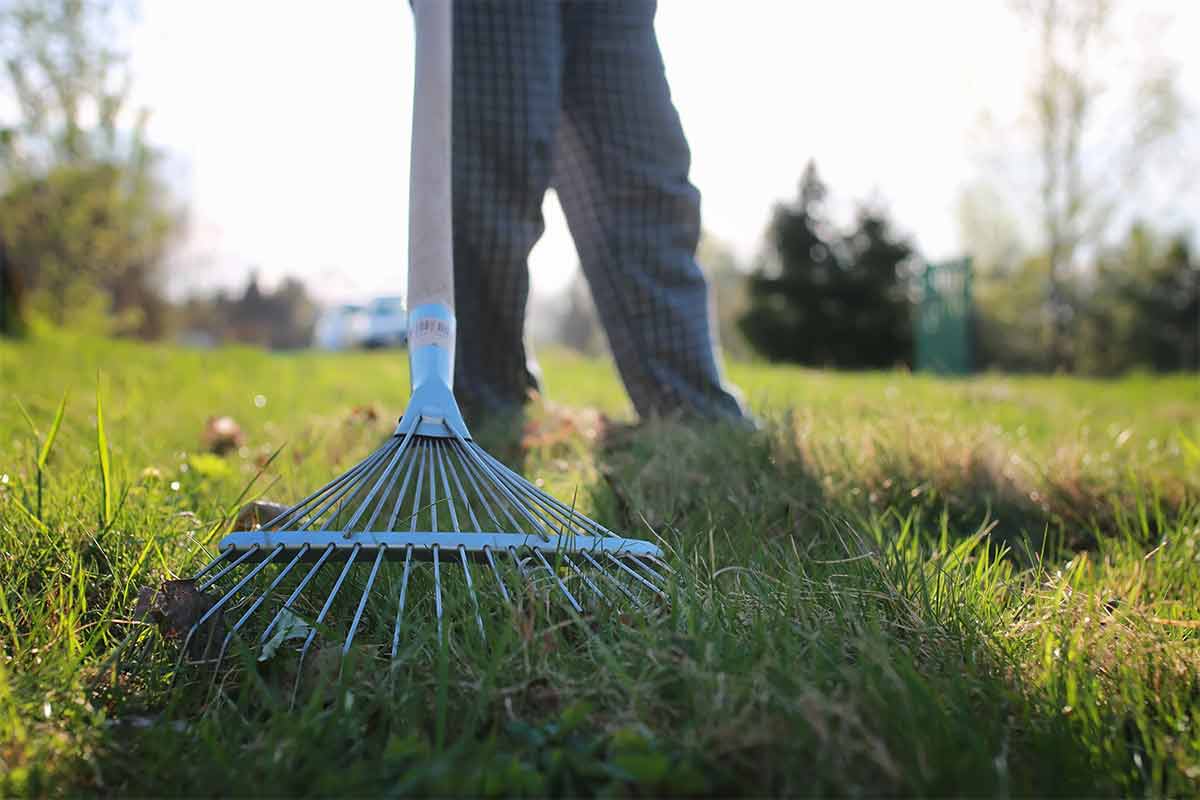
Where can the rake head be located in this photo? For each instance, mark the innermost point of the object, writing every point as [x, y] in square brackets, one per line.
[437, 504]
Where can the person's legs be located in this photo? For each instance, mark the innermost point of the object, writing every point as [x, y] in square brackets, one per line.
[507, 96]
[622, 177]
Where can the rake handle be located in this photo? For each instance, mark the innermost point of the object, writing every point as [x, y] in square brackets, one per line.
[430, 241]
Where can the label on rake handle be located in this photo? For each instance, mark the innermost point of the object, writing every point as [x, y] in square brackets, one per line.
[431, 331]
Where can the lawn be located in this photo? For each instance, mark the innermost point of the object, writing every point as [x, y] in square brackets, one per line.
[901, 585]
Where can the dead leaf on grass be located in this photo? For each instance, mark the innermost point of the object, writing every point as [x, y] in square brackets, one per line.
[174, 607]
[253, 515]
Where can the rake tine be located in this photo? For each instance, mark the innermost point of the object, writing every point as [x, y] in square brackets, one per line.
[628, 594]
[487, 551]
[416, 505]
[437, 591]
[226, 569]
[639, 578]
[470, 469]
[403, 590]
[207, 568]
[566, 514]
[433, 499]
[362, 603]
[462, 552]
[465, 498]
[446, 491]
[266, 634]
[574, 603]
[237, 626]
[512, 551]
[312, 633]
[217, 606]
[512, 488]
[585, 578]
[331, 494]
[412, 462]
[388, 471]
[646, 567]
[289, 515]
[488, 472]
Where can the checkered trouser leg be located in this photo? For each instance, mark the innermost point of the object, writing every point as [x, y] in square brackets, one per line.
[587, 78]
[507, 96]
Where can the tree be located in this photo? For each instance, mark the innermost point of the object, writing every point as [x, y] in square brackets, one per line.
[1143, 309]
[1102, 107]
[82, 211]
[828, 300]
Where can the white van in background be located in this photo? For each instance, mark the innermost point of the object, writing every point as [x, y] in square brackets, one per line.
[387, 323]
[341, 327]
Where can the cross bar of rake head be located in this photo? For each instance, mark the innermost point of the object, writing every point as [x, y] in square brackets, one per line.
[395, 544]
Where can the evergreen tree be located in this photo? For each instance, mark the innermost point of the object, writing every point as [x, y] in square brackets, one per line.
[827, 300]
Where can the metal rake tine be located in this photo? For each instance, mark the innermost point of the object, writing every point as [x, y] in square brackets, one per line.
[646, 567]
[207, 568]
[620, 587]
[640, 579]
[564, 520]
[412, 462]
[488, 472]
[312, 633]
[388, 471]
[416, 505]
[362, 602]
[470, 469]
[287, 604]
[462, 552]
[446, 491]
[237, 626]
[217, 606]
[437, 591]
[293, 512]
[585, 578]
[353, 492]
[302, 515]
[253, 549]
[331, 505]
[574, 603]
[512, 551]
[566, 514]
[465, 497]
[487, 552]
[510, 491]
[403, 590]
[433, 499]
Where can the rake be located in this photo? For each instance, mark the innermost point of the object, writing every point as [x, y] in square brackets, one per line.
[430, 498]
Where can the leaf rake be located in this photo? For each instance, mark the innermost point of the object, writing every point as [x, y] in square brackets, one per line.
[430, 498]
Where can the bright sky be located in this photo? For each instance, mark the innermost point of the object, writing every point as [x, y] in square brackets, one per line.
[288, 123]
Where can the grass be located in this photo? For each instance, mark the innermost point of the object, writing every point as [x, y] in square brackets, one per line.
[902, 585]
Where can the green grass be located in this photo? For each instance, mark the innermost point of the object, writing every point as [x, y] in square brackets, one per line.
[903, 585]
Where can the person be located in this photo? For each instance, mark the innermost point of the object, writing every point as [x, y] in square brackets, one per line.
[574, 95]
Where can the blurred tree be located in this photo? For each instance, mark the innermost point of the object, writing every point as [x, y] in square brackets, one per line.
[82, 211]
[1103, 107]
[828, 300]
[282, 319]
[1142, 309]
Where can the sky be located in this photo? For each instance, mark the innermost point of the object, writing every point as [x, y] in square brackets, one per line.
[287, 124]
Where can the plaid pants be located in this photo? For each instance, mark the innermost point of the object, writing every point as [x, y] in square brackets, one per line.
[573, 95]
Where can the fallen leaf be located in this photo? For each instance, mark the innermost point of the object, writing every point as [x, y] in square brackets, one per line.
[222, 434]
[254, 515]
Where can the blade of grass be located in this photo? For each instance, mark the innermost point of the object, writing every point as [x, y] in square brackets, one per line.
[105, 473]
[44, 455]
